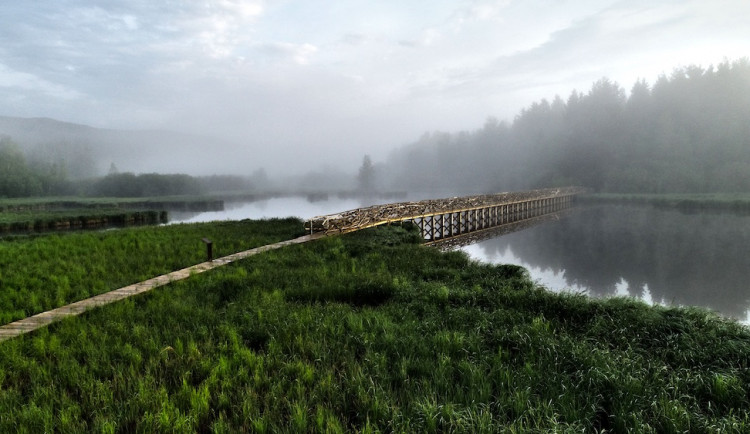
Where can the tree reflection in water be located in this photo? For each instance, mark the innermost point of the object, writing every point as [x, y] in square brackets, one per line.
[661, 255]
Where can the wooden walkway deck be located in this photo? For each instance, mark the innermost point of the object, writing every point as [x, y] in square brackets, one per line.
[40, 320]
[439, 221]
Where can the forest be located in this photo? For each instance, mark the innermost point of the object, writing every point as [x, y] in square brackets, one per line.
[687, 132]
[20, 177]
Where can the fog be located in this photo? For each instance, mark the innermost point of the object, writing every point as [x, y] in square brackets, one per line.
[291, 87]
[689, 132]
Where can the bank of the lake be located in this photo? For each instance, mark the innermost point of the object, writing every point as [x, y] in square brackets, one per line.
[738, 202]
[167, 203]
[42, 221]
[50, 214]
[372, 332]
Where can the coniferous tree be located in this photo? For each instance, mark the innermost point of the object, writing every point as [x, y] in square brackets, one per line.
[366, 176]
[688, 132]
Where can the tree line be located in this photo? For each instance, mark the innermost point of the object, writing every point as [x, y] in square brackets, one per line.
[688, 132]
[21, 178]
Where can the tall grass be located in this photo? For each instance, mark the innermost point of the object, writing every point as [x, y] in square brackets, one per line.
[280, 342]
[38, 273]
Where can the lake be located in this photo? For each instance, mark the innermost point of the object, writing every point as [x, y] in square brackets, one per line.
[288, 206]
[661, 256]
[658, 255]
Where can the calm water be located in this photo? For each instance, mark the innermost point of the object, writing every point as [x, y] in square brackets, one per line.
[657, 255]
[276, 207]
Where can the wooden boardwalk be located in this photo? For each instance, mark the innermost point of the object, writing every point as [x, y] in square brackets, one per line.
[40, 320]
[439, 220]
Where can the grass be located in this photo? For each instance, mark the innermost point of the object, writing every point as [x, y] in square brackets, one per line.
[54, 213]
[78, 202]
[685, 201]
[38, 273]
[371, 332]
[14, 222]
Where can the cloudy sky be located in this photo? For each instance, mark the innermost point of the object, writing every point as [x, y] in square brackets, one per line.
[320, 82]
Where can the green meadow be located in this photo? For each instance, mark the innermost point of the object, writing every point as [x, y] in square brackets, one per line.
[42, 272]
[368, 332]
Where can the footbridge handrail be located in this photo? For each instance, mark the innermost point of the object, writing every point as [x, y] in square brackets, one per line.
[376, 215]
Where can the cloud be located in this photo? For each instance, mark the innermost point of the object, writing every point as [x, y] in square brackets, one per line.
[95, 19]
[353, 38]
[480, 10]
[624, 40]
[297, 53]
[15, 79]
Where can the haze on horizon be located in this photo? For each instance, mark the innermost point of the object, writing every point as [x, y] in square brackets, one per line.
[297, 85]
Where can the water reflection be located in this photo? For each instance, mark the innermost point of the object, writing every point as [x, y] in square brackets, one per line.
[661, 256]
[472, 238]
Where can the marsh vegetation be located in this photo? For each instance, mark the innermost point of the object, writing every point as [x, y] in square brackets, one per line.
[42, 272]
[372, 332]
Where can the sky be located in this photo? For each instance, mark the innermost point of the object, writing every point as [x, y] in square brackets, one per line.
[305, 84]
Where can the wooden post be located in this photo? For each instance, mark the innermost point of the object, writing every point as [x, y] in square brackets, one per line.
[209, 248]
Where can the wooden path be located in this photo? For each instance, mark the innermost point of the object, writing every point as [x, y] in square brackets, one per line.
[40, 320]
[439, 220]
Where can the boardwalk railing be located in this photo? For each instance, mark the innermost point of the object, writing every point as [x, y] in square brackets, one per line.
[439, 219]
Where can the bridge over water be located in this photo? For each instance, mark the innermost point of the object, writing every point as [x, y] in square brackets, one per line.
[442, 219]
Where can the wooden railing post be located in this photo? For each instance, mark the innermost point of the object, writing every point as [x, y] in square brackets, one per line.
[209, 249]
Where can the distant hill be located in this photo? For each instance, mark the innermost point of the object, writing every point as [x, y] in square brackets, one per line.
[87, 151]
